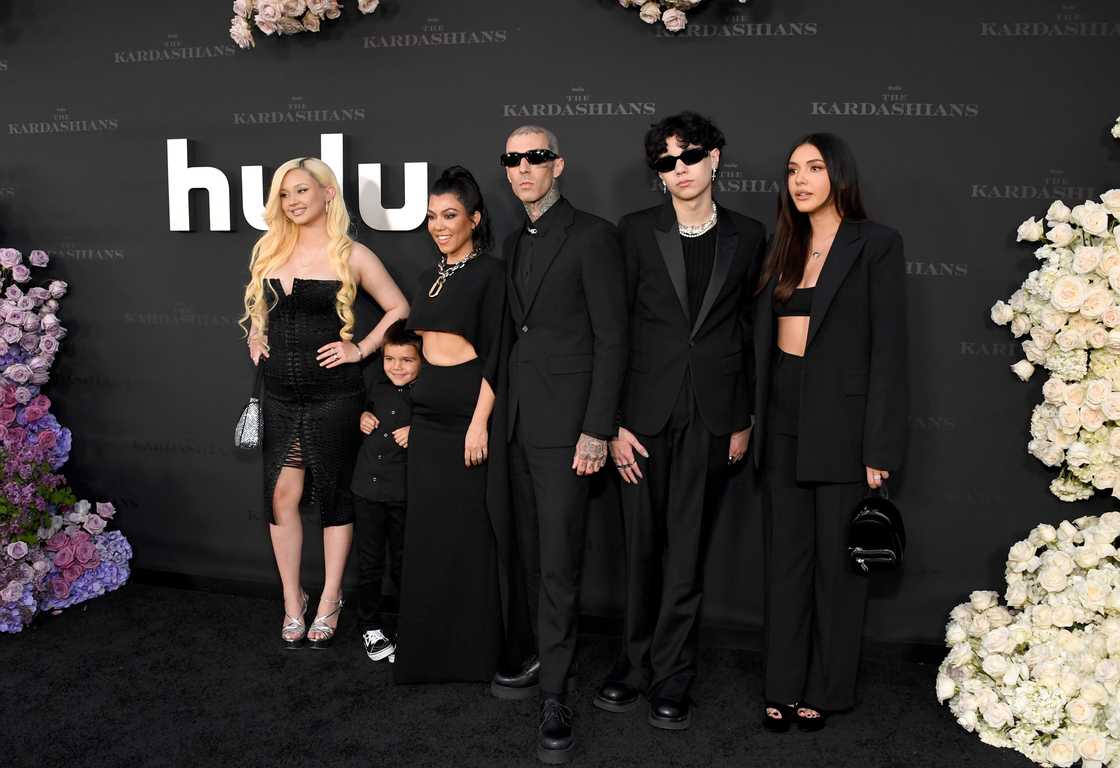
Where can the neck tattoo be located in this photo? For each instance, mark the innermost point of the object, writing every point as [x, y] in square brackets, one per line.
[540, 207]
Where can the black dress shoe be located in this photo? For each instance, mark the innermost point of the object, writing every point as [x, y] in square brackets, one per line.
[522, 684]
[614, 696]
[556, 742]
[670, 714]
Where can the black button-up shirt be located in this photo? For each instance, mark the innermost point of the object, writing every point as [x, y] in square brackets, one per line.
[379, 472]
[531, 234]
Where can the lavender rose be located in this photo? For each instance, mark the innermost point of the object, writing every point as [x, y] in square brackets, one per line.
[13, 292]
[21, 273]
[10, 334]
[94, 523]
[12, 592]
[39, 258]
[105, 509]
[18, 373]
[368, 6]
[242, 7]
[22, 395]
[9, 257]
[29, 342]
[39, 363]
[240, 32]
[48, 344]
[85, 550]
[268, 10]
[31, 322]
[7, 416]
[64, 556]
[60, 588]
[16, 550]
[674, 20]
[57, 288]
[73, 571]
[38, 294]
[25, 303]
[48, 322]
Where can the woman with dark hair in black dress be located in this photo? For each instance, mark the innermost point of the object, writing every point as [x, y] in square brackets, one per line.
[451, 618]
[830, 408]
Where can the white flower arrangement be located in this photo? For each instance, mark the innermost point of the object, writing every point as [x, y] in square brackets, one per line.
[1042, 675]
[285, 17]
[1070, 310]
[671, 13]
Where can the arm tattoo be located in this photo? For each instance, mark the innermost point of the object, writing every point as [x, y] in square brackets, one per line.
[591, 448]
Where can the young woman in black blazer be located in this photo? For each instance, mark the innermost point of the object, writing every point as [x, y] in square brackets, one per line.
[830, 407]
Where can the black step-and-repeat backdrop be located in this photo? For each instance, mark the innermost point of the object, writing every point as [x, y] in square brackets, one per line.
[966, 119]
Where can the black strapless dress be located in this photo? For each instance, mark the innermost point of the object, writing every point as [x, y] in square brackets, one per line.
[309, 411]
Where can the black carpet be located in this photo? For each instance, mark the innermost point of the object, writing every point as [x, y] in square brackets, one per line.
[156, 676]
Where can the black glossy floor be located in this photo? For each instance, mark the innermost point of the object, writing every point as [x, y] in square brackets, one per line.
[156, 676]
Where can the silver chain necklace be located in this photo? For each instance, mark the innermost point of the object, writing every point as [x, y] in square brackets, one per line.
[445, 272]
[695, 230]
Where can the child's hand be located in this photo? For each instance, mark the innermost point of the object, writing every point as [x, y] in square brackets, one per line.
[368, 423]
[401, 436]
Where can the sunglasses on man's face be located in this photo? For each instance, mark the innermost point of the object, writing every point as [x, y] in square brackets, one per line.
[666, 163]
[534, 156]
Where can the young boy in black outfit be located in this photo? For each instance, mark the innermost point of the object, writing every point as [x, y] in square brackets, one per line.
[379, 483]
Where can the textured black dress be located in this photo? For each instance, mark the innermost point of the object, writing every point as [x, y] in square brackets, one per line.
[450, 626]
[310, 412]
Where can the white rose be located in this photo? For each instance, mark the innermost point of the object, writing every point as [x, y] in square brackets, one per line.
[1096, 302]
[962, 614]
[997, 715]
[1002, 313]
[1052, 579]
[955, 633]
[1060, 235]
[1080, 711]
[1109, 261]
[1053, 319]
[959, 655]
[1069, 293]
[1092, 217]
[1069, 419]
[1064, 440]
[1086, 258]
[1093, 692]
[1021, 325]
[1077, 455]
[1062, 616]
[1091, 418]
[1057, 212]
[1016, 594]
[1096, 390]
[1062, 752]
[1098, 337]
[1094, 746]
[1046, 533]
[1111, 408]
[1023, 369]
[979, 626]
[650, 12]
[1040, 616]
[983, 599]
[1111, 317]
[1020, 553]
[946, 687]
[1030, 230]
[1070, 338]
[1054, 390]
[1011, 676]
[1043, 338]
[996, 642]
[1104, 478]
[1106, 671]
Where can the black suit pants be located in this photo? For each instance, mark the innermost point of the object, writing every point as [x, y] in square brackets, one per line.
[380, 526]
[550, 503]
[666, 519]
[814, 599]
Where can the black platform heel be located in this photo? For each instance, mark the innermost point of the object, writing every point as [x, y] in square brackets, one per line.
[809, 723]
[780, 723]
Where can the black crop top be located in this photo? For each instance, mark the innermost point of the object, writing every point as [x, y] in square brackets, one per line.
[799, 304]
[471, 304]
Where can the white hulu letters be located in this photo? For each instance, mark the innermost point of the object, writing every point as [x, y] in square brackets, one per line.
[182, 178]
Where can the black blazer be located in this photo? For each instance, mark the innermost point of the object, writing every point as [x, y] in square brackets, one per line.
[854, 390]
[664, 345]
[569, 336]
[379, 470]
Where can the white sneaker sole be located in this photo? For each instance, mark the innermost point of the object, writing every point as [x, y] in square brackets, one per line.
[384, 653]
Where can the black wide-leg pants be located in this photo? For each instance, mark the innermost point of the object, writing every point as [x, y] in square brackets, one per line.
[814, 599]
[665, 517]
[550, 502]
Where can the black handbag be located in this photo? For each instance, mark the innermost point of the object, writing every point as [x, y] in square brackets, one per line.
[249, 432]
[876, 535]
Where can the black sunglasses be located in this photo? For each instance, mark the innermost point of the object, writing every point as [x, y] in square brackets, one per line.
[534, 156]
[688, 157]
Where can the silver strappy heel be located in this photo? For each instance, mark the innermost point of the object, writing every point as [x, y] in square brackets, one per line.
[321, 626]
[294, 629]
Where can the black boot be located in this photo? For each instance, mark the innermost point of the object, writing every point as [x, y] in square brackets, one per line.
[556, 742]
[522, 684]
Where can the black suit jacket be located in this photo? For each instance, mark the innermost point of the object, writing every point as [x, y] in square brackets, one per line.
[854, 392]
[381, 465]
[664, 345]
[568, 356]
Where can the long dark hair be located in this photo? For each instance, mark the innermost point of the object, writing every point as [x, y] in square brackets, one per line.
[460, 182]
[791, 234]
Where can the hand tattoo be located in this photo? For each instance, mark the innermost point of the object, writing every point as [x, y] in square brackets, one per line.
[591, 449]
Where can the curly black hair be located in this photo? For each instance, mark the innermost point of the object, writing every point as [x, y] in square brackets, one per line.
[690, 127]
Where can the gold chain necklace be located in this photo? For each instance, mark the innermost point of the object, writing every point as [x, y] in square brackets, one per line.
[445, 272]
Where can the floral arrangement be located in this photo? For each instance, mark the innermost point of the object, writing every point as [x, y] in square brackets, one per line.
[285, 17]
[54, 552]
[1070, 309]
[671, 13]
[1042, 675]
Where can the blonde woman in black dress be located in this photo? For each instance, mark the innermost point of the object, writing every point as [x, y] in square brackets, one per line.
[299, 319]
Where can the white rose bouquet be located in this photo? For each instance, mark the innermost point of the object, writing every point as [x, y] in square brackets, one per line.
[1041, 675]
[671, 13]
[1068, 310]
[285, 17]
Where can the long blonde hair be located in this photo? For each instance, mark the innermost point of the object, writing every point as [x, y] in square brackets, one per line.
[276, 245]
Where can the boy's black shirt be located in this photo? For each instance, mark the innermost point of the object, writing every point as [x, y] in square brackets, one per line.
[379, 472]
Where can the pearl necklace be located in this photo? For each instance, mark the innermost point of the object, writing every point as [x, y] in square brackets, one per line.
[696, 230]
[445, 272]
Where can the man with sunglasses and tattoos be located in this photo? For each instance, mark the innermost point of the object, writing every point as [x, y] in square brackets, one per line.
[567, 304]
[691, 266]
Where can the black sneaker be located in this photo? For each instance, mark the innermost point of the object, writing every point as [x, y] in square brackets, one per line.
[378, 646]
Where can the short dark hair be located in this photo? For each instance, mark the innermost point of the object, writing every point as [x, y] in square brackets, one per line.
[398, 335]
[460, 182]
[690, 127]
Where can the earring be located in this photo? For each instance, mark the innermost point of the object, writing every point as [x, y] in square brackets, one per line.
[713, 174]
[664, 188]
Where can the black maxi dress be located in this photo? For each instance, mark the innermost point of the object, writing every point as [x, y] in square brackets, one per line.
[310, 412]
[451, 624]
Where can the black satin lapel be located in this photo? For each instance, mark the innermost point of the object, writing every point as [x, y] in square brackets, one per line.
[840, 260]
[726, 244]
[673, 253]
